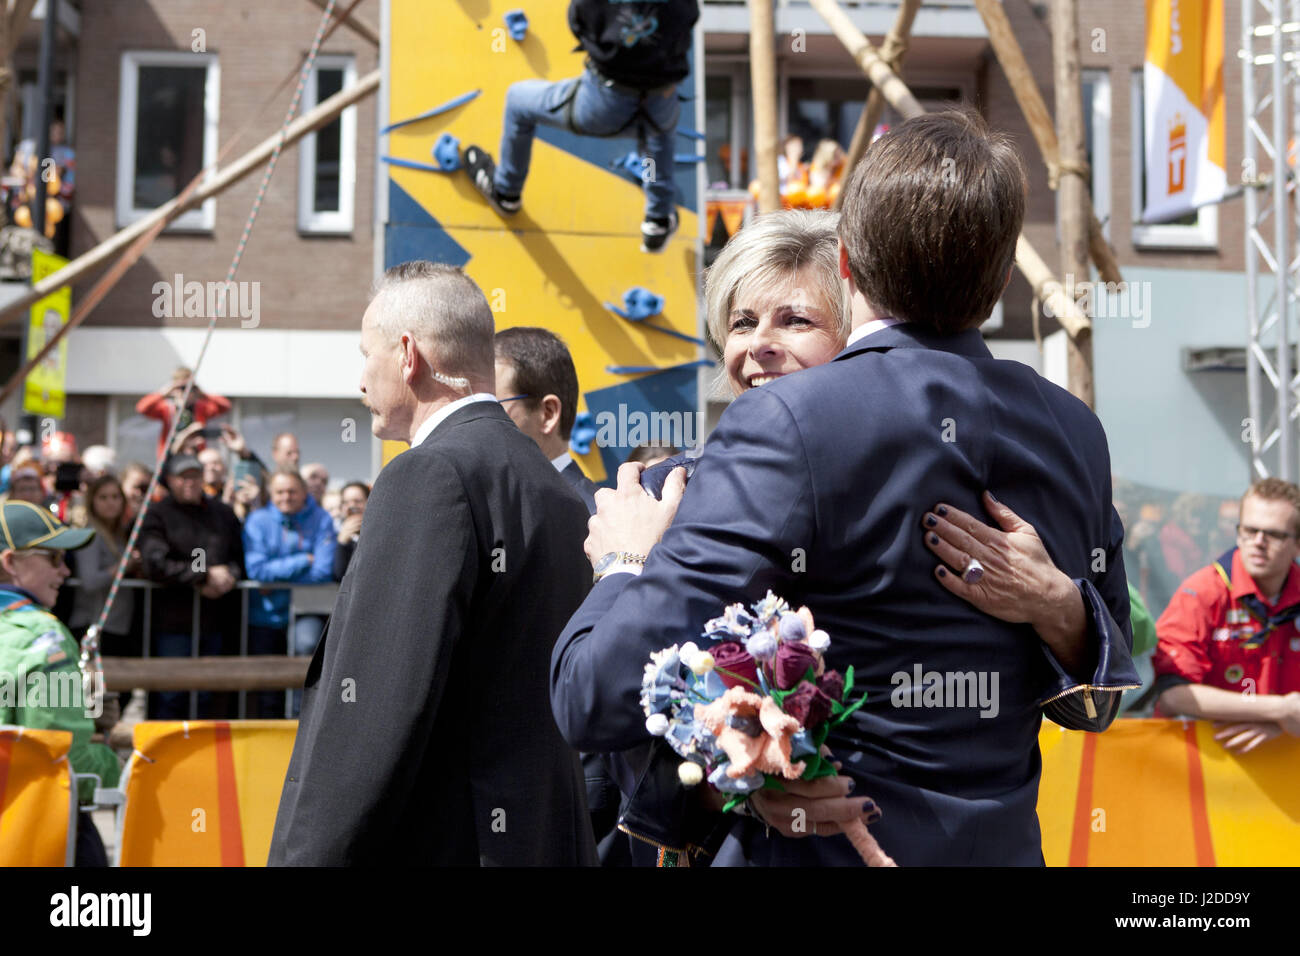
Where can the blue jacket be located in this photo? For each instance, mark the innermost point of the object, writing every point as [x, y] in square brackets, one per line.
[814, 487]
[276, 547]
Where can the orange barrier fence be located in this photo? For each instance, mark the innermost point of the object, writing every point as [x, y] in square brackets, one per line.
[1166, 793]
[203, 793]
[38, 802]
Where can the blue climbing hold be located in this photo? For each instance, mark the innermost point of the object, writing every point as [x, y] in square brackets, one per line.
[583, 433]
[517, 24]
[639, 304]
[447, 152]
[631, 165]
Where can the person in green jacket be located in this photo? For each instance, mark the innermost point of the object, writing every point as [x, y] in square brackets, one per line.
[40, 682]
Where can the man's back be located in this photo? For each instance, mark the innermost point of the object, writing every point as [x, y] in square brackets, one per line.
[426, 735]
[815, 486]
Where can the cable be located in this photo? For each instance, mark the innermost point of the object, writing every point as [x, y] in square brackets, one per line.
[90, 661]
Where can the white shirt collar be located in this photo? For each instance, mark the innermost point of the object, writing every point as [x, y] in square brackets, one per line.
[438, 417]
[870, 328]
[562, 462]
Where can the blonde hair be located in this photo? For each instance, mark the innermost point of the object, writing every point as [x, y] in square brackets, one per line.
[772, 248]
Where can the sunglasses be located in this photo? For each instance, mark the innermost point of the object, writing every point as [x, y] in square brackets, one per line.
[54, 557]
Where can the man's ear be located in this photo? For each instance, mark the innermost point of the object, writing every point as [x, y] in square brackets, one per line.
[410, 358]
[1010, 272]
[844, 262]
[7, 562]
[551, 408]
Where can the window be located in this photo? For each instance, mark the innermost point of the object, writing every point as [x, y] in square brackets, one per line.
[1196, 230]
[1096, 110]
[167, 132]
[327, 159]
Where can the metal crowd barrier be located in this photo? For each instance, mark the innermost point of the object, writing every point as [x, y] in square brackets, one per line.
[315, 599]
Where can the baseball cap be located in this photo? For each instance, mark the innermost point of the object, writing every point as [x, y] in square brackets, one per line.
[23, 525]
[180, 463]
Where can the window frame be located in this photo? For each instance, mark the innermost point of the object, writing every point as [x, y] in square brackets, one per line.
[1204, 235]
[203, 217]
[341, 222]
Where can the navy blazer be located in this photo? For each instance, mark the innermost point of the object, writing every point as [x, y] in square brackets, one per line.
[814, 486]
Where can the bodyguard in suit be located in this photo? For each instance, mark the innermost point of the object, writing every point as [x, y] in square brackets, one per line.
[538, 385]
[816, 485]
[426, 736]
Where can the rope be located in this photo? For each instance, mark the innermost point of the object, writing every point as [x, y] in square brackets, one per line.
[1056, 167]
[90, 660]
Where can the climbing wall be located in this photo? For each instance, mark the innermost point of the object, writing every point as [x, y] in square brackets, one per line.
[574, 249]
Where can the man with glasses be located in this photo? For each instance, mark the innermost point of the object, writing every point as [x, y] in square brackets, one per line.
[39, 657]
[1229, 649]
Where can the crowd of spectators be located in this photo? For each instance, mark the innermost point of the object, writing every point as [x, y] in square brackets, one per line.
[221, 520]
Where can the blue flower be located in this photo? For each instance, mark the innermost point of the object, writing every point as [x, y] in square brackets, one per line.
[726, 784]
[769, 607]
[801, 745]
[734, 625]
[762, 646]
[662, 676]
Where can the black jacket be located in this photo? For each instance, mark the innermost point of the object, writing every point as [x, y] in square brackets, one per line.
[641, 43]
[426, 736]
[168, 538]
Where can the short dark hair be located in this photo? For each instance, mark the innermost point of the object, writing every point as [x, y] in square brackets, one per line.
[542, 366]
[365, 488]
[930, 220]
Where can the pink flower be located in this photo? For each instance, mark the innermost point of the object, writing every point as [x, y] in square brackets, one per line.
[753, 732]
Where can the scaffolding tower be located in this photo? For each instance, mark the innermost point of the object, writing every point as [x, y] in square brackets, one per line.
[1270, 50]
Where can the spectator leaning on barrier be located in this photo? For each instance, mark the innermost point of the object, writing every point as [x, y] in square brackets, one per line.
[33, 642]
[96, 564]
[191, 542]
[290, 540]
[352, 503]
[1228, 648]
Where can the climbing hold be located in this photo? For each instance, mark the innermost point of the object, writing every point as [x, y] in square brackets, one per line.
[631, 165]
[442, 108]
[638, 304]
[447, 152]
[517, 24]
[583, 433]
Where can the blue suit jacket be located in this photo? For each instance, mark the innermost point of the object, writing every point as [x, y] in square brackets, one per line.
[814, 487]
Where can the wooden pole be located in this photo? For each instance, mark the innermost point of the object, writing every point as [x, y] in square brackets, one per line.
[1031, 265]
[271, 672]
[891, 51]
[1073, 188]
[222, 179]
[762, 75]
[1025, 90]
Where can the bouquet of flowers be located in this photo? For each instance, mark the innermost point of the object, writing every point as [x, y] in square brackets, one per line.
[754, 706]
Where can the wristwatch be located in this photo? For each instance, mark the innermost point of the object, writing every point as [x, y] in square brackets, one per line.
[617, 561]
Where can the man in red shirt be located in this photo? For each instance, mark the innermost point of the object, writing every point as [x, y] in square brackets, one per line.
[1228, 645]
[162, 405]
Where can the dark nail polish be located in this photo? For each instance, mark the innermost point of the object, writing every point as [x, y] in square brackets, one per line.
[868, 805]
[943, 572]
[851, 785]
[934, 539]
[941, 510]
[931, 521]
[991, 498]
[873, 816]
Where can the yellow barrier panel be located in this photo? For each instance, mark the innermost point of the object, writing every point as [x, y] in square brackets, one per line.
[36, 796]
[1165, 793]
[204, 793]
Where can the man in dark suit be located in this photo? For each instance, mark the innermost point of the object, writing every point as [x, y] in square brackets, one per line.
[816, 485]
[425, 735]
[538, 385]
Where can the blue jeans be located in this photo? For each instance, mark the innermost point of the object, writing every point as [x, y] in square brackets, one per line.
[271, 640]
[597, 111]
[174, 704]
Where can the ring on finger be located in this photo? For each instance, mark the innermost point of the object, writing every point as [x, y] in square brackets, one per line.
[973, 571]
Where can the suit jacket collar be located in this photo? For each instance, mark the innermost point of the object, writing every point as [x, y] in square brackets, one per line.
[909, 335]
[468, 413]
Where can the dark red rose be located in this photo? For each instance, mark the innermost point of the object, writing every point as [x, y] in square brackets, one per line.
[791, 663]
[808, 705]
[731, 656]
[832, 685]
